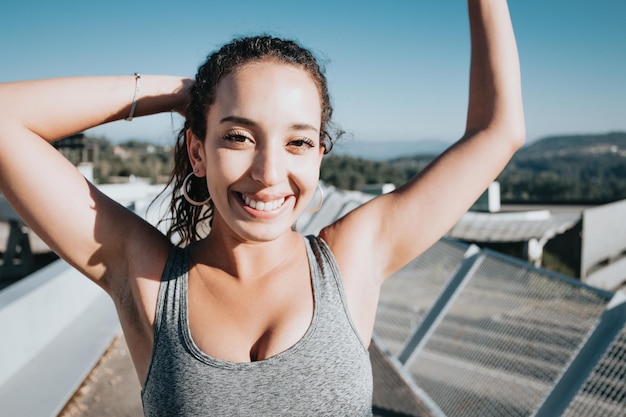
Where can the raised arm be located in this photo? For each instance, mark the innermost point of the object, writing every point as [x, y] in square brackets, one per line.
[395, 228]
[495, 100]
[73, 217]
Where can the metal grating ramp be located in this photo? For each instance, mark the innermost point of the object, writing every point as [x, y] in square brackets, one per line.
[504, 341]
[477, 333]
[409, 293]
[604, 392]
[395, 394]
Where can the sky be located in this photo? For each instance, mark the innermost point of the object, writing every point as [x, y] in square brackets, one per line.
[397, 70]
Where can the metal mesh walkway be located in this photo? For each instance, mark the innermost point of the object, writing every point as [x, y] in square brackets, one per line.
[604, 391]
[481, 334]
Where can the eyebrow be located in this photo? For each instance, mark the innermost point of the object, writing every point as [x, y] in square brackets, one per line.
[251, 123]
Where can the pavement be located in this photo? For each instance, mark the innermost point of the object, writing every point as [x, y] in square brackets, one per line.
[111, 389]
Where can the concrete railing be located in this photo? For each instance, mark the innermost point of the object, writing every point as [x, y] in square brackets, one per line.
[55, 326]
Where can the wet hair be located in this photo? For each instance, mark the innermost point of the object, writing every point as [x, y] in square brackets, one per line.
[191, 222]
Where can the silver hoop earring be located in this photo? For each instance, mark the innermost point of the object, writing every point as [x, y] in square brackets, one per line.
[319, 205]
[186, 193]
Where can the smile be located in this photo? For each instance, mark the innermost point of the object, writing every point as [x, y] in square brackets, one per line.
[263, 205]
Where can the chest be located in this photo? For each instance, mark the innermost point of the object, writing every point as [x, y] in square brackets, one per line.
[249, 321]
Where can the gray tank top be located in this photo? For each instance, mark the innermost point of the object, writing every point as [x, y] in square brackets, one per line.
[326, 373]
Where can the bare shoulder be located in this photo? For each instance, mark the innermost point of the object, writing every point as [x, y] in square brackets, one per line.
[357, 242]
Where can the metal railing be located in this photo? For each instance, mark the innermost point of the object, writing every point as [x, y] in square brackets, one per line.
[483, 334]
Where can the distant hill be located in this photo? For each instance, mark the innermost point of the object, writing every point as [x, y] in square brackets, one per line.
[573, 169]
[560, 146]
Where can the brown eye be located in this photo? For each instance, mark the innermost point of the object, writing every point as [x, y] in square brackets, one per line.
[302, 143]
[237, 139]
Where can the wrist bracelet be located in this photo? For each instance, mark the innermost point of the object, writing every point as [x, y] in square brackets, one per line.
[135, 97]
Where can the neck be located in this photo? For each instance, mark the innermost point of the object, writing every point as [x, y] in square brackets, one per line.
[246, 260]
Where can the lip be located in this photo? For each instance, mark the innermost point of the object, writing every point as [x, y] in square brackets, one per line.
[262, 214]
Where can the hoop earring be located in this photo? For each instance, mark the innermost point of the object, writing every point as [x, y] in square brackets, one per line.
[319, 205]
[186, 194]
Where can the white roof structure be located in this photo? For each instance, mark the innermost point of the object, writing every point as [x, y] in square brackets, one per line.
[541, 225]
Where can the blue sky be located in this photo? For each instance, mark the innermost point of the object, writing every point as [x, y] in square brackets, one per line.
[398, 70]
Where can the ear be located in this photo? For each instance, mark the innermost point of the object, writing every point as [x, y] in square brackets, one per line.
[195, 150]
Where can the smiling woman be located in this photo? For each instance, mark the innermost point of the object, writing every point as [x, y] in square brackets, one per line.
[242, 315]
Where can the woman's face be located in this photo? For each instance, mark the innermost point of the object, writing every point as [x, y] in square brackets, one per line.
[261, 153]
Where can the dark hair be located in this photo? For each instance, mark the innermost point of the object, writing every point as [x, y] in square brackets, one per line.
[186, 219]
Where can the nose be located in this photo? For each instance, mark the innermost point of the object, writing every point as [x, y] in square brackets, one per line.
[269, 164]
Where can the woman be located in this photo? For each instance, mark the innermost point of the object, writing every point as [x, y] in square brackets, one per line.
[249, 317]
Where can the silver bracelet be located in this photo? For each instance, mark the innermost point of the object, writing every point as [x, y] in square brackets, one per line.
[135, 97]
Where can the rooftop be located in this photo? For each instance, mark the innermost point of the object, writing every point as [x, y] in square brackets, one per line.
[460, 331]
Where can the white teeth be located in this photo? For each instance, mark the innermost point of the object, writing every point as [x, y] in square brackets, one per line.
[263, 205]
